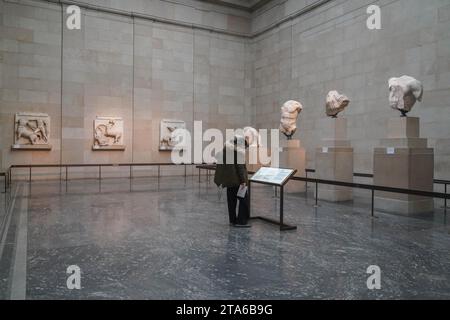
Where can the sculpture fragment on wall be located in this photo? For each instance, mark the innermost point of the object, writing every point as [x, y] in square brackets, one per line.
[289, 114]
[404, 92]
[108, 133]
[170, 137]
[32, 131]
[336, 103]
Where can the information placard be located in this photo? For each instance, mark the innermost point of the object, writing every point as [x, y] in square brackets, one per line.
[274, 176]
[390, 150]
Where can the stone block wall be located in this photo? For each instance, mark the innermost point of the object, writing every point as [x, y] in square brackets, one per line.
[121, 66]
[145, 70]
[331, 48]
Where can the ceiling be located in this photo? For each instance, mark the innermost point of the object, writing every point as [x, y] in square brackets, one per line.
[246, 5]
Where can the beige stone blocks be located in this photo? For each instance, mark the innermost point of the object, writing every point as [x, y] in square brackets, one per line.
[293, 156]
[334, 160]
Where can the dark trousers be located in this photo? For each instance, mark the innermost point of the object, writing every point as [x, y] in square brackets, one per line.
[232, 199]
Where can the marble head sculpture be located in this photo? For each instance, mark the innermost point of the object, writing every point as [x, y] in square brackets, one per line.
[252, 136]
[403, 93]
[289, 114]
[335, 103]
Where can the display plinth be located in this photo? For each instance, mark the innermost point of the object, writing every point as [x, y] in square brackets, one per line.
[293, 155]
[404, 161]
[334, 160]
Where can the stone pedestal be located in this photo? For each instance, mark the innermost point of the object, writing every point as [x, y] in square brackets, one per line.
[334, 160]
[404, 161]
[293, 156]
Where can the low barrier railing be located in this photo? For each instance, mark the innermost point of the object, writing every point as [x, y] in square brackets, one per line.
[211, 167]
[66, 167]
[445, 183]
[372, 188]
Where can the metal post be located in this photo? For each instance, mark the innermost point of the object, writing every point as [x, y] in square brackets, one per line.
[131, 172]
[281, 207]
[100, 173]
[317, 193]
[306, 175]
[30, 175]
[67, 175]
[199, 173]
[445, 200]
[159, 171]
[249, 199]
[373, 202]
[185, 170]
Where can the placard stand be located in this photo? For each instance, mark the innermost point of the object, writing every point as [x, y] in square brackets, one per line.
[289, 174]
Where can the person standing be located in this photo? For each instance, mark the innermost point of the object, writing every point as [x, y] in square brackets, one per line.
[232, 174]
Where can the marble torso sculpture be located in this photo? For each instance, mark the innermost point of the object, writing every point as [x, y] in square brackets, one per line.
[403, 93]
[335, 103]
[252, 136]
[289, 114]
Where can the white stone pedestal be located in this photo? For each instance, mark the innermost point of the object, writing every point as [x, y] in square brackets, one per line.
[334, 160]
[293, 156]
[404, 161]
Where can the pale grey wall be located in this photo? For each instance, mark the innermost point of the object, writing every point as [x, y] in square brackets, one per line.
[278, 10]
[138, 69]
[331, 48]
[145, 71]
[185, 11]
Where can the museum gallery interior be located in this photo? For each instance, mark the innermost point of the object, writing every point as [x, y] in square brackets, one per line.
[115, 117]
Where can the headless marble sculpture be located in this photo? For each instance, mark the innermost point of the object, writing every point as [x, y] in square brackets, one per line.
[404, 92]
[336, 103]
[289, 114]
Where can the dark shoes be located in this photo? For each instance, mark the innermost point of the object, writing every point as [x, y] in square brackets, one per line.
[239, 225]
[242, 226]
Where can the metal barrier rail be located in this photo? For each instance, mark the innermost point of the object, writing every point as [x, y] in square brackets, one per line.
[99, 166]
[370, 175]
[445, 183]
[373, 188]
[211, 167]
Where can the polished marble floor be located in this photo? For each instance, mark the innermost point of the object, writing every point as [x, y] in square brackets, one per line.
[169, 239]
